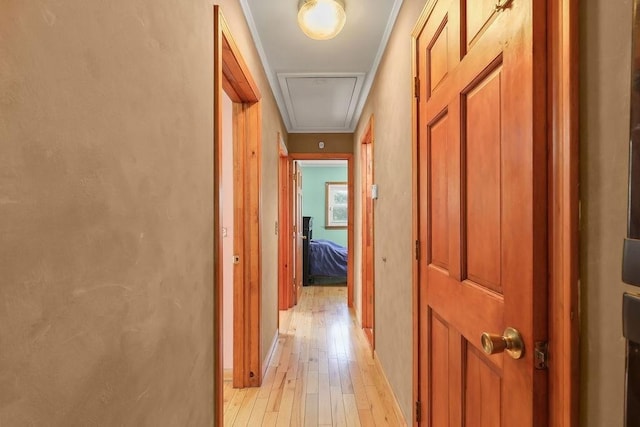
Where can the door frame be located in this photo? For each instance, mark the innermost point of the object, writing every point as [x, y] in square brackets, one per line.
[284, 224]
[231, 74]
[563, 200]
[350, 221]
[368, 257]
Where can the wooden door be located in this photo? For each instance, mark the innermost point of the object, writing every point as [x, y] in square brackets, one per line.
[481, 212]
[368, 294]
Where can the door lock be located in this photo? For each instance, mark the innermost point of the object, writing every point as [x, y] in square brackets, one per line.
[510, 341]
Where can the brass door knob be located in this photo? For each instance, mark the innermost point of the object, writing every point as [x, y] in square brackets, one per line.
[510, 341]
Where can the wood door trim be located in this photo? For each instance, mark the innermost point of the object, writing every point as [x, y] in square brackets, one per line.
[563, 98]
[563, 196]
[284, 260]
[231, 74]
[350, 222]
[368, 265]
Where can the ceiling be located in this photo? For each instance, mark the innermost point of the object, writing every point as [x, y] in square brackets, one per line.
[320, 86]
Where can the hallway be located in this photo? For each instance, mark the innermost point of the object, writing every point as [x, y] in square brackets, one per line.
[321, 372]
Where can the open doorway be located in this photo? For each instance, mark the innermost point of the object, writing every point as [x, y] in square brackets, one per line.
[325, 214]
[231, 76]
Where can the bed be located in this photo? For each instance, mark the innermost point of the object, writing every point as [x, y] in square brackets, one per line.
[327, 259]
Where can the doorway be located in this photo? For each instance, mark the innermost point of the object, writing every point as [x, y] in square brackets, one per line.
[231, 76]
[368, 273]
[297, 231]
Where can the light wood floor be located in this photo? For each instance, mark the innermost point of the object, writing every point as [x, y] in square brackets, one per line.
[321, 373]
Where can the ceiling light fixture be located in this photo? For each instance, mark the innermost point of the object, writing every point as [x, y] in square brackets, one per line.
[321, 19]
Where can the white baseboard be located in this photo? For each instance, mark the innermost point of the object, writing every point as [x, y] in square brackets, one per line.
[267, 360]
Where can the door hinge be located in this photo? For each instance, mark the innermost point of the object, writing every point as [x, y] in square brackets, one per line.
[541, 355]
[418, 411]
[416, 87]
[417, 250]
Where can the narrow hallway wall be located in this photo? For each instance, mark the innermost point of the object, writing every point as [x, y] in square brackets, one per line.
[390, 104]
[604, 149]
[106, 208]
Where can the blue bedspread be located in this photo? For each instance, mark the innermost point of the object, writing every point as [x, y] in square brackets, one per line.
[327, 258]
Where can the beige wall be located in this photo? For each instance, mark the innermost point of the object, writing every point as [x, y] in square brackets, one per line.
[106, 210]
[271, 125]
[105, 213]
[604, 109]
[308, 142]
[390, 103]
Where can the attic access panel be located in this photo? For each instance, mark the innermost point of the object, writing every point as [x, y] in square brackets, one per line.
[321, 102]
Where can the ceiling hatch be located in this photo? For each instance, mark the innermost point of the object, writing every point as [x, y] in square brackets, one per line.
[321, 102]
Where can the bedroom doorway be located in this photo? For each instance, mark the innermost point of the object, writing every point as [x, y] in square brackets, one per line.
[323, 222]
[326, 224]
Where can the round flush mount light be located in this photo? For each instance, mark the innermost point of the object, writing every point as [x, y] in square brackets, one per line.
[321, 19]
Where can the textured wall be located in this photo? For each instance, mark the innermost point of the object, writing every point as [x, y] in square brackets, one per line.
[106, 213]
[272, 125]
[308, 142]
[106, 210]
[390, 103]
[604, 109]
[314, 199]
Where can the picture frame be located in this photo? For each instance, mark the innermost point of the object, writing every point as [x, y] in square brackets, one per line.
[336, 205]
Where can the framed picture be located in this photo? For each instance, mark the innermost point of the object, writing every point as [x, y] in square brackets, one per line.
[336, 206]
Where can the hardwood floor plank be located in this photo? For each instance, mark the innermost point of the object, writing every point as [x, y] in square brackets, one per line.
[267, 383]
[275, 396]
[351, 410]
[312, 382]
[242, 418]
[286, 406]
[311, 410]
[270, 419]
[234, 407]
[337, 407]
[299, 397]
[362, 402]
[258, 412]
[366, 418]
[322, 372]
[324, 399]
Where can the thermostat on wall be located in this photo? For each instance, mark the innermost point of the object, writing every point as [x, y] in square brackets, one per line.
[321, 145]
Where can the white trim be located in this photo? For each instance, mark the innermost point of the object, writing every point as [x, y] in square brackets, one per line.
[354, 101]
[376, 62]
[271, 77]
[267, 360]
